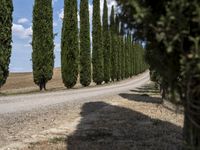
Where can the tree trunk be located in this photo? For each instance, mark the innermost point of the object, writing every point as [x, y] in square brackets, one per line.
[41, 86]
[45, 86]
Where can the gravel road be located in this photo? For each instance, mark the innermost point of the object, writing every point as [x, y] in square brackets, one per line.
[23, 117]
[11, 104]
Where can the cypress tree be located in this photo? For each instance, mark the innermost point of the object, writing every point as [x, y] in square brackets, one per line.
[113, 57]
[43, 45]
[126, 58]
[129, 55]
[6, 10]
[97, 60]
[106, 43]
[69, 44]
[135, 59]
[85, 57]
[133, 56]
[122, 58]
[122, 51]
[118, 50]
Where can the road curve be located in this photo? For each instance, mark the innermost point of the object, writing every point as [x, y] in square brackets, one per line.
[18, 103]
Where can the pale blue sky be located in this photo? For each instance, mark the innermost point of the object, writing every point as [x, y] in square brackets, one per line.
[22, 31]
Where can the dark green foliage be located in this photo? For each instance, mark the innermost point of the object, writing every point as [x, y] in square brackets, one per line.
[97, 51]
[140, 65]
[132, 58]
[85, 55]
[119, 59]
[126, 58]
[106, 43]
[129, 55]
[43, 45]
[113, 57]
[172, 32]
[118, 48]
[6, 9]
[69, 44]
[135, 59]
[123, 58]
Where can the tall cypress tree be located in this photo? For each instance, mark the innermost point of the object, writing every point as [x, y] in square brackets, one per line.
[126, 58]
[43, 45]
[97, 60]
[85, 57]
[134, 59]
[69, 44]
[122, 58]
[118, 48]
[114, 47]
[122, 51]
[6, 9]
[106, 43]
[131, 57]
[137, 59]
[119, 59]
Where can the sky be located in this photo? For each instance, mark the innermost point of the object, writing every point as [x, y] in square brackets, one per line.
[22, 31]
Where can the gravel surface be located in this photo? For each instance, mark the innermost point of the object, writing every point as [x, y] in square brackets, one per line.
[118, 116]
[13, 104]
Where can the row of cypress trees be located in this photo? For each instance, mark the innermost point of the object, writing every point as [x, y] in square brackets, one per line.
[113, 56]
[107, 46]
[127, 56]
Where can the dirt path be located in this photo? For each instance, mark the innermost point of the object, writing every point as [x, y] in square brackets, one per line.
[13, 104]
[109, 117]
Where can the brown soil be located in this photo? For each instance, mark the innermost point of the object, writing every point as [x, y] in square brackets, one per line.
[23, 83]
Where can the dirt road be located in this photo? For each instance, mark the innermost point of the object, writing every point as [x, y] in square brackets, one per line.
[18, 103]
[56, 120]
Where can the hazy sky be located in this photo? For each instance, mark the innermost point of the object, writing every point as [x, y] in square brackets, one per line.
[22, 31]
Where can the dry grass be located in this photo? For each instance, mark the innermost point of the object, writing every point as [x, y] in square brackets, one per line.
[23, 83]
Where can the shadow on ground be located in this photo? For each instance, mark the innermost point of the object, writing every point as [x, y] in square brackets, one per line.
[145, 94]
[107, 127]
[142, 98]
[149, 88]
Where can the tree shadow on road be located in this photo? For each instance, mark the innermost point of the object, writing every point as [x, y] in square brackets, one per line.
[107, 127]
[147, 93]
[141, 98]
[149, 88]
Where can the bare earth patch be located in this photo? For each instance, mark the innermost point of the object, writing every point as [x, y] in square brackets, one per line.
[23, 83]
[134, 120]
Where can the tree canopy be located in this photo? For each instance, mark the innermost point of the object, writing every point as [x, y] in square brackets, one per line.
[85, 52]
[42, 43]
[171, 31]
[6, 10]
[69, 44]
